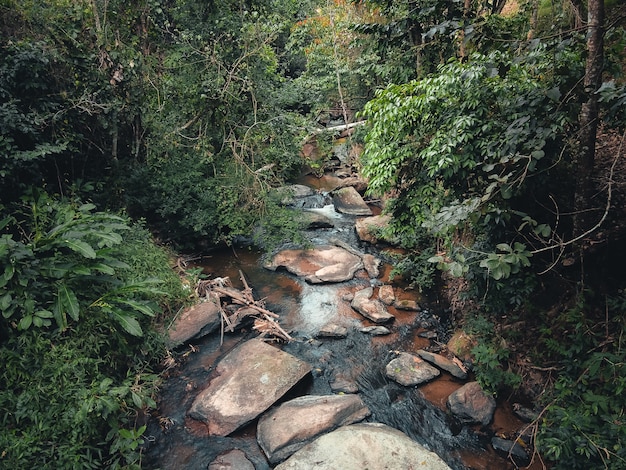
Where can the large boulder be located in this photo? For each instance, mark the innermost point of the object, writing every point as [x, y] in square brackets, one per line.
[348, 201]
[410, 370]
[250, 379]
[364, 446]
[198, 320]
[295, 423]
[372, 309]
[470, 404]
[368, 228]
[318, 265]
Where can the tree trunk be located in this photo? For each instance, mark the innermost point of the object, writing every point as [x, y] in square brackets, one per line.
[588, 119]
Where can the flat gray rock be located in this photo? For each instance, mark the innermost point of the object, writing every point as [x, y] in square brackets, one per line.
[370, 446]
[410, 370]
[372, 265]
[251, 378]
[232, 460]
[348, 201]
[377, 330]
[295, 423]
[372, 309]
[318, 265]
[443, 363]
[197, 320]
[386, 294]
[332, 330]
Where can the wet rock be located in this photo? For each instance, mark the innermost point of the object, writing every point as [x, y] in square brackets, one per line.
[405, 304]
[470, 404]
[347, 297]
[364, 446]
[315, 220]
[514, 449]
[343, 384]
[348, 201]
[250, 379]
[428, 334]
[232, 460]
[386, 294]
[525, 414]
[198, 320]
[372, 265]
[372, 309]
[292, 425]
[292, 192]
[356, 182]
[461, 345]
[410, 370]
[332, 330]
[318, 265]
[368, 228]
[377, 330]
[443, 363]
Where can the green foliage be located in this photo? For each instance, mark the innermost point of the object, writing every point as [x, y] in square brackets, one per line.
[583, 425]
[491, 356]
[76, 336]
[464, 148]
[61, 247]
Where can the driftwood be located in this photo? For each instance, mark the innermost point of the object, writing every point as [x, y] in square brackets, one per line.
[221, 289]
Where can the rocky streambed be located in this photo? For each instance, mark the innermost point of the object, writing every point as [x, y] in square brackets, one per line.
[314, 358]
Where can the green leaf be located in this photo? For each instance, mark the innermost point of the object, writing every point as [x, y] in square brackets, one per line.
[5, 301]
[44, 314]
[104, 269]
[136, 399]
[127, 322]
[81, 247]
[506, 191]
[69, 301]
[25, 322]
[108, 239]
[554, 94]
[140, 307]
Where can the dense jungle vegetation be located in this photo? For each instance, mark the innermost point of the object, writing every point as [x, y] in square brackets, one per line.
[495, 131]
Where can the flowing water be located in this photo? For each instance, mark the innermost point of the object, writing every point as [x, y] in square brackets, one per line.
[179, 442]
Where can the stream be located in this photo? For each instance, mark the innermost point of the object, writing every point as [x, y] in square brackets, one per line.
[176, 441]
